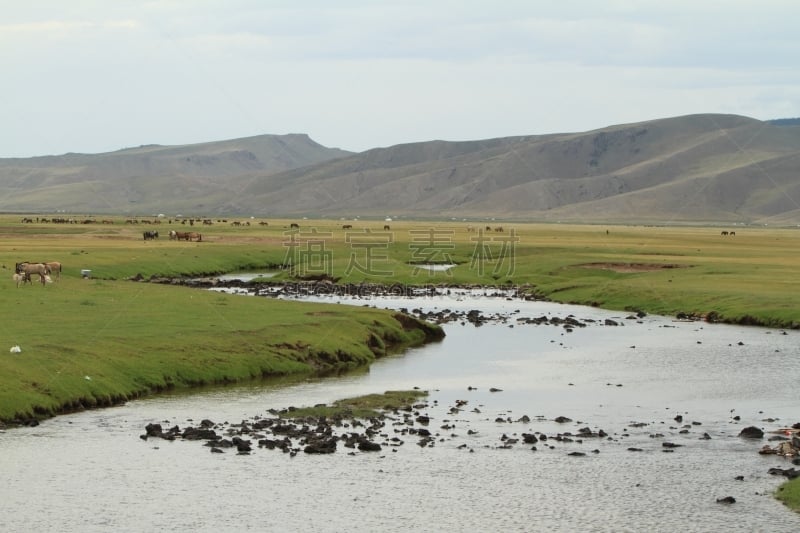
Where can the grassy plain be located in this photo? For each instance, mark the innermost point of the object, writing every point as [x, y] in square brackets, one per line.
[748, 278]
[96, 341]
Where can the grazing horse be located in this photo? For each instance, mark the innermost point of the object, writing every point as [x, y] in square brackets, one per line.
[347, 226]
[54, 267]
[187, 236]
[294, 225]
[150, 235]
[26, 269]
[386, 227]
[724, 232]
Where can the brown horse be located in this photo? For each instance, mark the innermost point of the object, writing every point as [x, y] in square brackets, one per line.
[26, 269]
[54, 267]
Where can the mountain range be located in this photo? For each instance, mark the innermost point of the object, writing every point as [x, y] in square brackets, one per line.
[705, 168]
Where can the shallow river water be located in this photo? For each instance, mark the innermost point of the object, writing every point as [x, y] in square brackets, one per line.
[90, 471]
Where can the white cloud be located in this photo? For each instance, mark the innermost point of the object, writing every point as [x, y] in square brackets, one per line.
[96, 76]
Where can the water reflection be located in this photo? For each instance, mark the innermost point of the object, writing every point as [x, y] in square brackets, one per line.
[432, 267]
[246, 276]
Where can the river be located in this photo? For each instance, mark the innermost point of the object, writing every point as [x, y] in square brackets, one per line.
[90, 471]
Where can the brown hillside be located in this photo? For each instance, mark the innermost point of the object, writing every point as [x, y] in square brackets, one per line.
[697, 168]
[151, 178]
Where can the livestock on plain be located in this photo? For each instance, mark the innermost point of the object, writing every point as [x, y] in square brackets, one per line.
[54, 268]
[150, 235]
[185, 236]
[29, 269]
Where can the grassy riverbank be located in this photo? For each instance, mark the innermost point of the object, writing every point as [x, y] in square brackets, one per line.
[789, 493]
[89, 343]
[97, 341]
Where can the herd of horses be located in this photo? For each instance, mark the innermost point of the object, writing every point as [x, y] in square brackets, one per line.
[23, 272]
[499, 229]
[174, 235]
[350, 226]
[185, 236]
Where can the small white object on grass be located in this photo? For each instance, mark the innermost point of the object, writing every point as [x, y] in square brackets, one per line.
[15, 349]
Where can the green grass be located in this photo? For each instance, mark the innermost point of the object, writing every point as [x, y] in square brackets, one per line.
[134, 338]
[742, 278]
[88, 343]
[749, 278]
[789, 494]
[368, 406]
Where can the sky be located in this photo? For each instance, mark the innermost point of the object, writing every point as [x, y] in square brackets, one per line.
[98, 76]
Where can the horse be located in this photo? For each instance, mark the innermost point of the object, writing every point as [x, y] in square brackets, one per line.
[32, 268]
[150, 235]
[294, 225]
[386, 227]
[54, 267]
[723, 232]
[194, 236]
[347, 226]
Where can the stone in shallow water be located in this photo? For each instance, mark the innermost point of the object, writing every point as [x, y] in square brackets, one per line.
[751, 432]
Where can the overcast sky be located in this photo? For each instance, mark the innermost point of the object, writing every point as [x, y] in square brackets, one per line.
[97, 76]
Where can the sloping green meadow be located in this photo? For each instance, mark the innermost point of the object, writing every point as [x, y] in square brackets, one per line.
[100, 340]
[89, 342]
